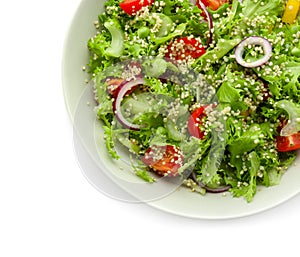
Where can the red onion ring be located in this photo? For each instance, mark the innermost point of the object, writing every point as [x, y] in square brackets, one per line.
[209, 20]
[253, 40]
[208, 17]
[209, 189]
[122, 90]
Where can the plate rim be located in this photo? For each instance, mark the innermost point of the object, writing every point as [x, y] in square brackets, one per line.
[155, 204]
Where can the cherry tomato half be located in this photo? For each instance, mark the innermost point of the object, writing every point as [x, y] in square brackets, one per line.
[184, 48]
[164, 160]
[132, 6]
[195, 122]
[212, 4]
[113, 87]
[288, 143]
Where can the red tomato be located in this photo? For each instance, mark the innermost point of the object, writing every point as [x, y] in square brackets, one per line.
[164, 160]
[184, 48]
[132, 6]
[195, 121]
[212, 4]
[288, 143]
[113, 85]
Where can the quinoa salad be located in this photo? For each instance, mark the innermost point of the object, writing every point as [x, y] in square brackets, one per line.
[204, 91]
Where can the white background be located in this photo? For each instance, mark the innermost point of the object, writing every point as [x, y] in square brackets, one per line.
[47, 208]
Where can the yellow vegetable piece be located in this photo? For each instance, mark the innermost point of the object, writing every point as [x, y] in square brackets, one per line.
[291, 11]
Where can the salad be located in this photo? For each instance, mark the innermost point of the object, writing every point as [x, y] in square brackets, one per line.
[207, 91]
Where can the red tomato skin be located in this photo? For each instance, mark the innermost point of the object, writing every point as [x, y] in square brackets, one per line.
[183, 48]
[195, 121]
[288, 143]
[112, 86]
[212, 4]
[132, 6]
[169, 163]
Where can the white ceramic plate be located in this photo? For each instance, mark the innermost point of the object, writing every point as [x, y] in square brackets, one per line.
[180, 202]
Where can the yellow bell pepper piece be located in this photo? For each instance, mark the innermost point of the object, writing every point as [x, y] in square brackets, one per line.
[291, 11]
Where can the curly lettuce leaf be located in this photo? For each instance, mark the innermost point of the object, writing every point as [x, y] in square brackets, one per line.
[248, 189]
[246, 142]
[254, 8]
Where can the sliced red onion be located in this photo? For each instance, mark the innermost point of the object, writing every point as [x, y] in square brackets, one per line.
[209, 189]
[209, 20]
[253, 40]
[122, 90]
[208, 17]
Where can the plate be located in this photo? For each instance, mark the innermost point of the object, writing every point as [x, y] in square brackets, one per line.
[103, 173]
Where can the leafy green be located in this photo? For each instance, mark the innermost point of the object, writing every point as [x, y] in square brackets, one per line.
[254, 8]
[117, 38]
[228, 94]
[177, 32]
[248, 189]
[141, 172]
[167, 25]
[108, 132]
[221, 49]
[246, 142]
